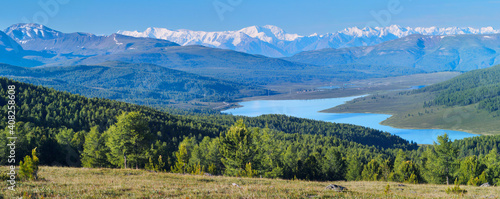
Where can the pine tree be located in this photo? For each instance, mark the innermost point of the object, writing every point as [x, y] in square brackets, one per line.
[94, 150]
[289, 162]
[354, 168]
[334, 165]
[238, 148]
[400, 159]
[470, 170]
[492, 173]
[440, 160]
[385, 170]
[128, 139]
[311, 169]
[199, 154]
[28, 169]
[371, 171]
[408, 172]
[183, 155]
[214, 158]
[446, 156]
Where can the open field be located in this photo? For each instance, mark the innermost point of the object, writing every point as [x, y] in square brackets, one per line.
[384, 102]
[352, 88]
[62, 182]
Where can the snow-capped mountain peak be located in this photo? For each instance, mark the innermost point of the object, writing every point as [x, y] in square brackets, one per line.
[27, 31]
[273, 41]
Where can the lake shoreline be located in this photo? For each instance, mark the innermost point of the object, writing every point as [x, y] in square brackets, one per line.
[311, 109]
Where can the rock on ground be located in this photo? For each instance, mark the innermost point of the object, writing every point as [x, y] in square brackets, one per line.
[336, 188]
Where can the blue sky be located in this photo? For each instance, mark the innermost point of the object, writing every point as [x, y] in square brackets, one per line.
[303, 17]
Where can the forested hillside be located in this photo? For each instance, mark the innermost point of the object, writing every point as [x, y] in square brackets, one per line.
[44, 113]
[134, 83]
[469, 102]
[481, 87]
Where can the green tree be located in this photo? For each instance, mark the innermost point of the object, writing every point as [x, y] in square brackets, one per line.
[65, 136]
[200, 153]
[289, 162]
[128, 139]
[311, 169]
[354, 168]
[493, 167]
[400, 159]
[94, 149]
[238, 148]
[371, 171]
[470, 170]
[214, 158]
[28, 169]
[440, 164]
[385, 170]
[408, 172]
[269, 155]
[334, 165]
[183, 155]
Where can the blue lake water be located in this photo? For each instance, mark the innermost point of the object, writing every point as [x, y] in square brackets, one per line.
[310, 109]
[417, 87]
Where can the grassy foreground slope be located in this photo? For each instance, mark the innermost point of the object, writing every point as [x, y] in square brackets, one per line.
[469, 102]
[62, 182]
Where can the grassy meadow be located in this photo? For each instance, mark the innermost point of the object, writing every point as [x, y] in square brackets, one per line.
[64, 182]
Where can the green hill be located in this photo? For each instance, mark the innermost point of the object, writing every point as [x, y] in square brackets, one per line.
[44, 113]
[469, 102]
[72, 130]
[134, 83]
[479, 87]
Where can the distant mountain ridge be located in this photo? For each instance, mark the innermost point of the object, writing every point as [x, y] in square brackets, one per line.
[273, 41]
[13, 53]
[41, 38]
[41, 46]
[429, 53]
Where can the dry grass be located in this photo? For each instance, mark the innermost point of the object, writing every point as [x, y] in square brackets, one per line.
[60, 182]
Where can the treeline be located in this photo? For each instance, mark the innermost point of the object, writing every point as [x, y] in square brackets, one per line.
[479, 87]
[288, 124]
[252, 152]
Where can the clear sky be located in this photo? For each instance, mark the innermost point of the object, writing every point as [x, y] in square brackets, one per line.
[302, 17]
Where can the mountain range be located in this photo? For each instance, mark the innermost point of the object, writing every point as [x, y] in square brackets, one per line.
[55, 48]
[273, 41]
[37, 37]
[429, 53]
[37, 45]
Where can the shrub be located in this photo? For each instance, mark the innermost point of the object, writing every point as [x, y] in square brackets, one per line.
[387, 189]
[456, 189]
[155, 167]
[248, 172]
[412, 179]
[28, 169]
[4, 177]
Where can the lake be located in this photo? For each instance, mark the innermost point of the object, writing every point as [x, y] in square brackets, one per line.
[310, 109]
